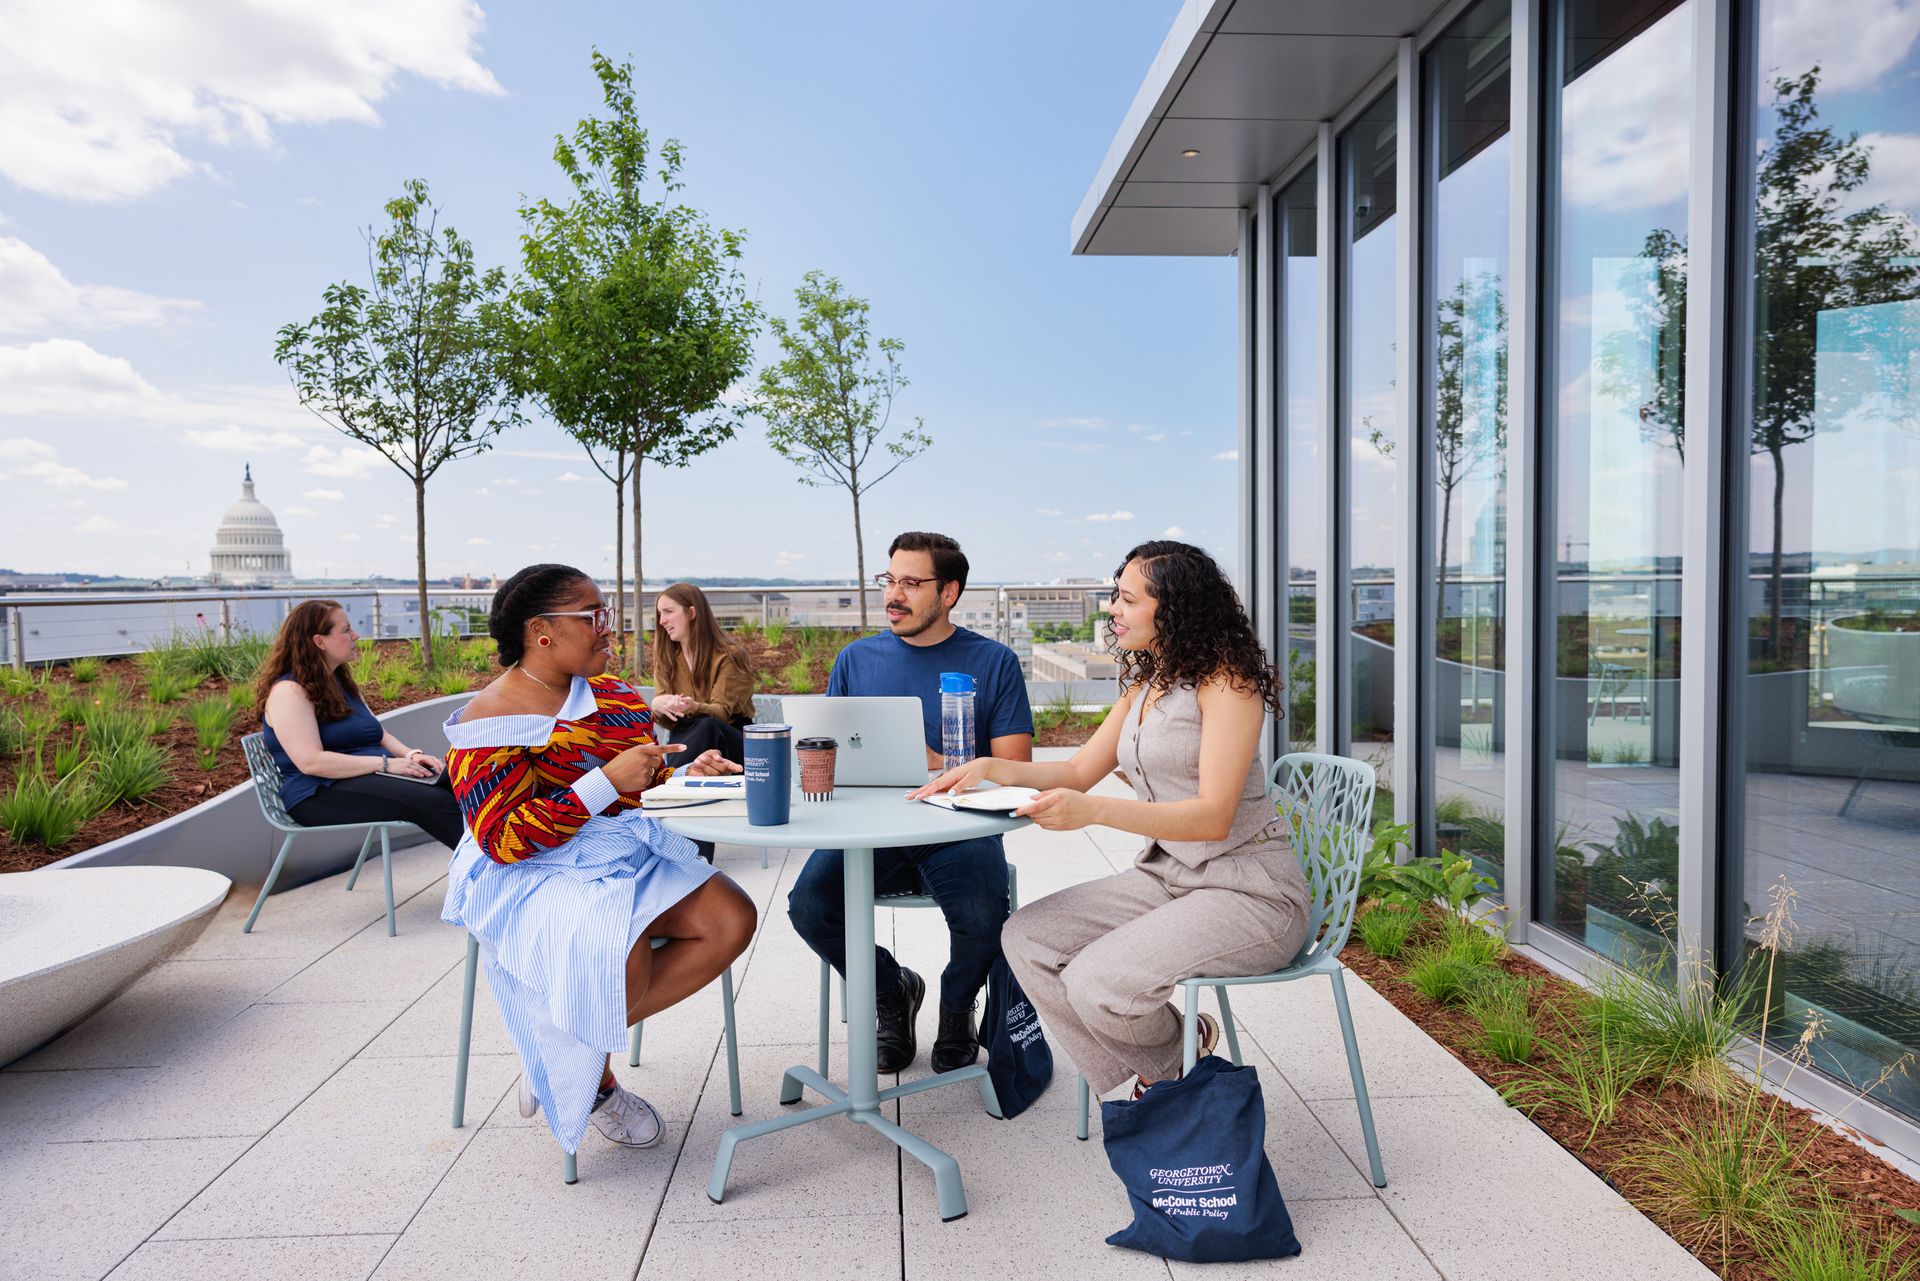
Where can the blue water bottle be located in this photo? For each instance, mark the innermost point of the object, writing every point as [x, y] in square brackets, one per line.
[768, 758]
[957, 743]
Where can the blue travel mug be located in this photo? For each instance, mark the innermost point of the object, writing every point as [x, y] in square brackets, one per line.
[768, 757]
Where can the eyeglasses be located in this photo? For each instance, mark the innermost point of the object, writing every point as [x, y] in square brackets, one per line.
[601, 618]
[907, 583]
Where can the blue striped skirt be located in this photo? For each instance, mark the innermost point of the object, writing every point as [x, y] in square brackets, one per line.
[555, 932]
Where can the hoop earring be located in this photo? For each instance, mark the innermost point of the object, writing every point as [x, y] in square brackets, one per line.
[544, 642]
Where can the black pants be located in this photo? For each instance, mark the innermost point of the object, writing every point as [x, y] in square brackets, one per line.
[378, 797]
[703, 733]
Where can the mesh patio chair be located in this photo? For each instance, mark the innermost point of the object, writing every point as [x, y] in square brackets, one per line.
[1328, 804]
[571, 1166]
[266, 790]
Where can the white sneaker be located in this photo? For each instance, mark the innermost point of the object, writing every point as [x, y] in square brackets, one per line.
[628, 1120]
[529, 1101]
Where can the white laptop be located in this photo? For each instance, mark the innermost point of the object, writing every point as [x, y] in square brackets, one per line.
[883, 741]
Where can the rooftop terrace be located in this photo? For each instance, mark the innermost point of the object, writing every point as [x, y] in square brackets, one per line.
[276, 1105]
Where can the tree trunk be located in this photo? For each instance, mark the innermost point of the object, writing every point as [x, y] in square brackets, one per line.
[420, 569]
[619, 552]
[639, 582]
[1440, 554]
[859, 543]
[1773, 593]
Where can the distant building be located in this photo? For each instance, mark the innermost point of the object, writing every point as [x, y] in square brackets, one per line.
[1072, 661]
[248, 550]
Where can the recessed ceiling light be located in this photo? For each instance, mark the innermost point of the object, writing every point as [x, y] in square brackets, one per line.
[1190, 153]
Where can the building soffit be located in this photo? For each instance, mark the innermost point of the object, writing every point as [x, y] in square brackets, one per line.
[1245, 84]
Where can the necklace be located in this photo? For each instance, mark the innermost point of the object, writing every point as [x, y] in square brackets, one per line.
[535, 679]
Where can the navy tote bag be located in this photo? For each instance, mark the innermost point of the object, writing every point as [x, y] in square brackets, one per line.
[1192, 1154]
[1018, 1058]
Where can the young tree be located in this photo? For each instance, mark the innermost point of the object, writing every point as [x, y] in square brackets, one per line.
[1812, 259]
[635, 316]
[416, 367]
[829, 401]
[1470, 392]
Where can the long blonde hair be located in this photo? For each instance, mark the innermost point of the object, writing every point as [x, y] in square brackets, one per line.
[707, 646]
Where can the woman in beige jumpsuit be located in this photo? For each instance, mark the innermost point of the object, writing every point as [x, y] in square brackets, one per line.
[1216, 890]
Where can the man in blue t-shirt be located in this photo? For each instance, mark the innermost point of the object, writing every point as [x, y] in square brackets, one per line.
[925, 575]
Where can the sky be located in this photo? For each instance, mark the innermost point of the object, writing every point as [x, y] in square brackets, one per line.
[180, 178]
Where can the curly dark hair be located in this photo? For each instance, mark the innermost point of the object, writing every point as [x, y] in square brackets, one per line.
[534, 590]
[1201, 632]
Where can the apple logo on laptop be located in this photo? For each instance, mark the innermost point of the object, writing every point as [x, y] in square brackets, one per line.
[853, 740]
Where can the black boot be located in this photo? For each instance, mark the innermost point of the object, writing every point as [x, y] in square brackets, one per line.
[894, 1043]
[956, 1044]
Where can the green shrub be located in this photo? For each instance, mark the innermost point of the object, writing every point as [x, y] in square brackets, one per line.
[36, 726]
[1449, 879]
[798, 677]
[1716, 1178]
[69, 756]
[366, 662]
[48, 813]
[1377, 870]
[1499, 1002]
[85, 671]
[1589, 1076]
[164, 685]
[451, 680]
[211, 717]
[1470, 944]
[13, 736]
[1437, 975]
[131, 771]
[17, 684]
[109, 726]
[1689, 1033]
[1824, 1243]
[158, 720]
[392, 678]
[1385, 931]
[775, 631]
[66, 707]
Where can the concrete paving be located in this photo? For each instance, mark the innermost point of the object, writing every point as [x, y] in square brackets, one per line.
[276, 1105]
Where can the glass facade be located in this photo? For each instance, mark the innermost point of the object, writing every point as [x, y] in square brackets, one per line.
[1619, 87]
[1466, 77]
[1827, 630]
[1368, 480]
[1303, 507]
[1796, 538]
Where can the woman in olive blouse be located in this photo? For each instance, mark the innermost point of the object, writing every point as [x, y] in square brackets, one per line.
[702, 685]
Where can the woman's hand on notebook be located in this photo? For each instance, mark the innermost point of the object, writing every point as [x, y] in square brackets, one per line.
[963, 778]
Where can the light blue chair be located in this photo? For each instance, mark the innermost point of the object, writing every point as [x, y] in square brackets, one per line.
[826, 971]
[1328, 804]
[572, 1165]
[266, 790]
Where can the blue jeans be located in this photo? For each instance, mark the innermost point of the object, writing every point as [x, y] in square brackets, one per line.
[968, 879]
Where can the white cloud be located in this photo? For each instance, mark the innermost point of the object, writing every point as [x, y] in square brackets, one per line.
[385, 521]
[568, 476]
[105, 104]
[1173, 531]
[298, 511]
[1050, 511]
[507, 480]
[1060, 558]
[349, 538]
[1155, 438]
[62, 375]
[325, 495]
[784, 559]
[96, 525]
[35, 460]
[1227, 456]
[1895, 179]
[1628, 122]
[1102, 517]
[477, 541]
[1084, 424]
[242, 440]
[1852, 54]
[349, 462]
[36, 297]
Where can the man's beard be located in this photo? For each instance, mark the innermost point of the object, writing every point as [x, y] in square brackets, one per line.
[915, 624]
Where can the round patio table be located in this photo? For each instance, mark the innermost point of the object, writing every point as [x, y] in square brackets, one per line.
[858, 820]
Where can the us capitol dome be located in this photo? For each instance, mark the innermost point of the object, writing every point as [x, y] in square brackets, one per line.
[248, 550]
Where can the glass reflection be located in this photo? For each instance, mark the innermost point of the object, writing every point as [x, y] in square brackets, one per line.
[1829, 801]
[1302, 507]
[1619, 148]
[1465, 403]
[1372, 484]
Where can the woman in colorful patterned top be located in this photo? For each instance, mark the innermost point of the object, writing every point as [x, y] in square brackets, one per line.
[560, 877]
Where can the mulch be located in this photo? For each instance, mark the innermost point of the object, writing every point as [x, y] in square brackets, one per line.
[1850, 1172]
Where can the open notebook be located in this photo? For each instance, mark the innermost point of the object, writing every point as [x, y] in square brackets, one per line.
[719, 796]
[992, 800]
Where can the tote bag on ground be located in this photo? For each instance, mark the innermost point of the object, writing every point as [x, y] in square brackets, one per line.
[1018, 1057]
[1192, 1154]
